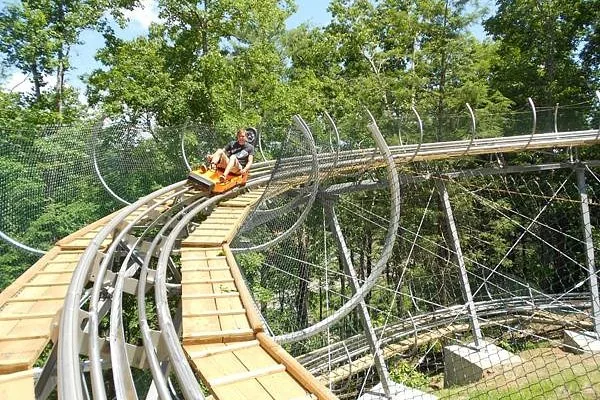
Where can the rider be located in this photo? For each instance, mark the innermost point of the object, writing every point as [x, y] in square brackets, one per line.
[236, 157]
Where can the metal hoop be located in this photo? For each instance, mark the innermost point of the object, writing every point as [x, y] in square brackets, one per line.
[346, 308]
[474, 128]
[598, 96]
[99, 175]
[556, 118]
[534, 122]
[185, 160]
[314, 176]
[421, 130]
[337, 136]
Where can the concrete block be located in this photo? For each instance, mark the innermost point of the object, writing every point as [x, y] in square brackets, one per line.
[466, 363]
[398, 392]
[581, 342]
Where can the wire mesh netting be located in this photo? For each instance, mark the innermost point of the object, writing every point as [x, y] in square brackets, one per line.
[489, 288]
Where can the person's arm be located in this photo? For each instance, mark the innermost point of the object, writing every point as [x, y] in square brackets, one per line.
[248, 164]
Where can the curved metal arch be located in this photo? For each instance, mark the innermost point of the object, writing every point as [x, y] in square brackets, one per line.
[420, 130]
[474, 128]
[337, 137]
[530, 101]
[274, 213]
[185, 160]
[392, 176]
[97, 169]
[20, 245]
[598, 96]
[260, 148]
[556, 118]
[314, 176]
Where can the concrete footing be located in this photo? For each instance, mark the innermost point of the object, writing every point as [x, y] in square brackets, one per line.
[466, 363]
[581, 342]
[398, 392]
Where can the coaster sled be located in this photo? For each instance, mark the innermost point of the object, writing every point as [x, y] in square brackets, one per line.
[212, 181]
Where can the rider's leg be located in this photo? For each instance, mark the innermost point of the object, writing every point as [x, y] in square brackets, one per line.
[219, 157]
[232, 166]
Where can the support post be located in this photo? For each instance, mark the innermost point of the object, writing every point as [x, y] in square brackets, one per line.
[382, 371]
[464, 278]
[589, 249]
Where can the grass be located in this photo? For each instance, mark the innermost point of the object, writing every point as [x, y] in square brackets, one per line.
[545, 373]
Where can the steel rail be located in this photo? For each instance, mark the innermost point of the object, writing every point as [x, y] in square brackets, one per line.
[185, 376]
[125, 386]
[357, 345]
[156, 368]
[69, 367]
[95, 358]
[69, 364]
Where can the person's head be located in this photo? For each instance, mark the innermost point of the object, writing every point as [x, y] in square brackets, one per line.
[242, 136]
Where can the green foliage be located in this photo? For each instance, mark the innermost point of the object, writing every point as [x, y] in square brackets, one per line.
[405, 373]
[539, 47]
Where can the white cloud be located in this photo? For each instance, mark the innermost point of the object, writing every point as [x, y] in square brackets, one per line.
[145, 14]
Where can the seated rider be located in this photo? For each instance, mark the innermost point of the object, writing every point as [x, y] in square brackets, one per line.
[236, 157]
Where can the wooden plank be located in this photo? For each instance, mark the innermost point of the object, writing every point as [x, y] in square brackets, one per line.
[245, 296]
[23, 317]
[219, 365]
[23, 299]
[282, 386]
[212, 227]
[18, 385]
[26, 276]
[214, 313]
[296, 370]
[210, 295]
[206, 350]
[218, 335]
[193, 282]
[207, 269]
[18, 355]
[243, 376]
[208, 241]
[188, 257]
[246, 390]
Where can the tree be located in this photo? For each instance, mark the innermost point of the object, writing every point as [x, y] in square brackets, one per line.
[541, 47]
[208, 57]
[36, 37]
